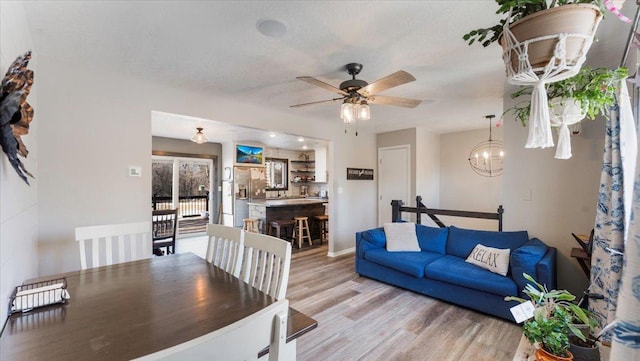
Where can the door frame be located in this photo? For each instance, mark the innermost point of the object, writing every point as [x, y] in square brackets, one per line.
[213, 176]
[406, 147]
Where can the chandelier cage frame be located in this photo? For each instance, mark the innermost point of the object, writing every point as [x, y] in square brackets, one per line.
[486, 158]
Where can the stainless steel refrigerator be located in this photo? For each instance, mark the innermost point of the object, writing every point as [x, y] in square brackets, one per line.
[249, 185]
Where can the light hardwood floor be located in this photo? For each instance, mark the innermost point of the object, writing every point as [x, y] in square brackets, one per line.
[362, 319]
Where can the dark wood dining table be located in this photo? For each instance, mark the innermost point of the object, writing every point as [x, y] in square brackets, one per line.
[133, 309]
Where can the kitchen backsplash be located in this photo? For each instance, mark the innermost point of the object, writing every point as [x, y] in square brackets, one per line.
[295, 189]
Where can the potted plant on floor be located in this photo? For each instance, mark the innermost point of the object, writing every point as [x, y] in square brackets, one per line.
[552, 323]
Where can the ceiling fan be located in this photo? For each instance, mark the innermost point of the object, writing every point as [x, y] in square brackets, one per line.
[357, 91]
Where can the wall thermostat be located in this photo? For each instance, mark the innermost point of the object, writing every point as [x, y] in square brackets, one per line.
[135, 171]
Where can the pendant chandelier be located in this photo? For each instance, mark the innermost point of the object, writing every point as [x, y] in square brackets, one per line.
[486, 157]
[199, 137]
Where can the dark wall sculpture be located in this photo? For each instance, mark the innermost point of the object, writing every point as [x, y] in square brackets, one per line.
[16, 113]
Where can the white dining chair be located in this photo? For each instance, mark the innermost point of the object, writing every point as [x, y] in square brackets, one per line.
[224, 249]
[266, 263]
[114, 243]
[240, 341]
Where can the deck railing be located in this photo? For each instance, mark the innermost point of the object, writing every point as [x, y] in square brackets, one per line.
[189, 206]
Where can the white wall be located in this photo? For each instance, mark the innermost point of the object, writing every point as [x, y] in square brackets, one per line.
[18, 202]
[552, 198]
[463, 189]
[96, 128]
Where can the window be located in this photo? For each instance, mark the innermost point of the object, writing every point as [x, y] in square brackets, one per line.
[277, 173]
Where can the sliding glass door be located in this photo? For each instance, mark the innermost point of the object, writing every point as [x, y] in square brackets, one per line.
[184, 183]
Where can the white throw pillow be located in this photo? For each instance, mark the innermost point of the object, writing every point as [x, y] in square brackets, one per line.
[401, 237]
[495, 260]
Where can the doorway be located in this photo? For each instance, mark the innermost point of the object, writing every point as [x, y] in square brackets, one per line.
[185, 183]
[394, 175]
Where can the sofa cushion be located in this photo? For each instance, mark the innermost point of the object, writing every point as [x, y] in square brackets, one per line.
[412, 263]
[401, 237]
[495, 260]
[462, 241]
[456, 271]
[524, 260]
[432, 239]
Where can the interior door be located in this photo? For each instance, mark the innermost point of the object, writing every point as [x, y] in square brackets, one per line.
[393, 179]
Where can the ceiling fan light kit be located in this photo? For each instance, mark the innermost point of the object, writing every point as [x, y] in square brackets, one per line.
[199, 137]
[357, 94]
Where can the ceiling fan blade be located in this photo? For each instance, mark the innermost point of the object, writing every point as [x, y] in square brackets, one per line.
[399, 102]
[318, 102]
[322, 84]
[398, 78]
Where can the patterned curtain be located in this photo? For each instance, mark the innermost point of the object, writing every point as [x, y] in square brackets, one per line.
[626, 332]
[626, 329]
[613, 212]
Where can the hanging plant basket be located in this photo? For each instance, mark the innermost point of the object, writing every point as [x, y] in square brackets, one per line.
[550, 37]
[546, 47]
[565, 112]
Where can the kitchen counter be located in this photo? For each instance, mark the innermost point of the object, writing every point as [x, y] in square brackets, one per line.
[290, 202]
[280, 209]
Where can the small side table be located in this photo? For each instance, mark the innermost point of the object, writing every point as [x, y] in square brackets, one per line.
[584, 260]
[526, 351]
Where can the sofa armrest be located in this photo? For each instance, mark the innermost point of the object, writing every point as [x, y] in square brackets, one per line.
[535, 259]
[546, 269]
[370, 239]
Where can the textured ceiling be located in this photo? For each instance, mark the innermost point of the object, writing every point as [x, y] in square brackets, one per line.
[215, 47]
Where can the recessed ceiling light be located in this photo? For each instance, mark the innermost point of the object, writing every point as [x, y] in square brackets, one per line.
[304, 147]
[271, 28]
[300, 139]
[272, 135]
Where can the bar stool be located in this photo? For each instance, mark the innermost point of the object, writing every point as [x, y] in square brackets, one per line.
[250, 225]
[302, 225]
[283, 224]
[322, 223]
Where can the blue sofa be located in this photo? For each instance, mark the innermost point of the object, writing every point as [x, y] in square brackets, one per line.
[439, 270]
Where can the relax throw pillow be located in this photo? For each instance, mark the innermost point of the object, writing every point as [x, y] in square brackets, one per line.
[401, 237]
[492, 259]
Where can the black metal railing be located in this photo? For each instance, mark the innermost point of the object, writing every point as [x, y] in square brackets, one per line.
[397, 208]
[188, 206]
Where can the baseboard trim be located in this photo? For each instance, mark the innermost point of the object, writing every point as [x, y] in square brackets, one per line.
[342, 253]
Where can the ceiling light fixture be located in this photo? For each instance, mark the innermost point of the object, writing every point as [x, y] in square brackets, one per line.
[486, 157]
[300, 139]
[272, 135]
[199, 137]
[354, 109]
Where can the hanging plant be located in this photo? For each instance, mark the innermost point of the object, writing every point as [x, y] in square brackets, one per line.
[522, 8]
[593, 88]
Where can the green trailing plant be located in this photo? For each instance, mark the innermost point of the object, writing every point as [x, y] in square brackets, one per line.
[519, 9]
[554, 319]
[593, 88]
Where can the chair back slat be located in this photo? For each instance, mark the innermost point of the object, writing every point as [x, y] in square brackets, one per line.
[165, 223]
[101, 239]
[224, 249]
[266, 263]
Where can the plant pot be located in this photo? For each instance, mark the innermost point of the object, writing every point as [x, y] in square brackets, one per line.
[582, 352]
[567, 19]
[542, 355]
